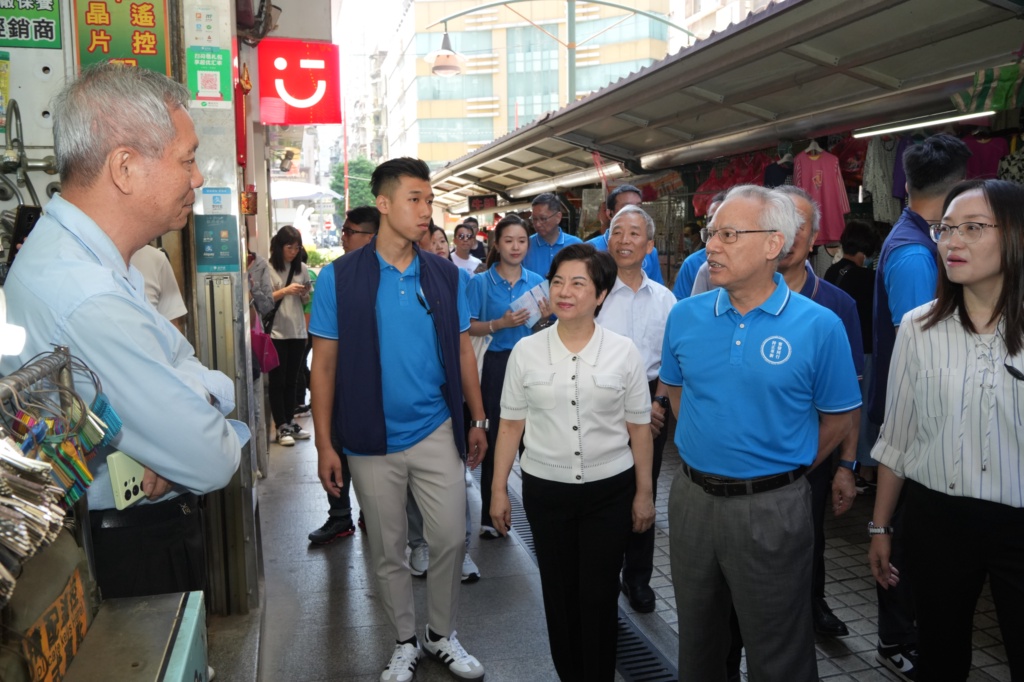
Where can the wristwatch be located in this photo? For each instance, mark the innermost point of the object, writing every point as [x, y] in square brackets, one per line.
[481, 424]
[852, 466]
[663, 401]
[878, 530]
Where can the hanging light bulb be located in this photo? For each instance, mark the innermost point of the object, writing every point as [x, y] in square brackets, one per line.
[445, 62]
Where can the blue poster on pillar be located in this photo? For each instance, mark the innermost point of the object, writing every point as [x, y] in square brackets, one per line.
[216, 239]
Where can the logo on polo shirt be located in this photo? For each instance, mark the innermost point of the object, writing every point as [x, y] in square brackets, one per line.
[776, 350]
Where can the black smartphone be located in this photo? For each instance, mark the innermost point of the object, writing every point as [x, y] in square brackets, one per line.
[24, 220]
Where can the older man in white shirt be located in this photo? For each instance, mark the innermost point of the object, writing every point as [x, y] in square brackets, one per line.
[637, 308]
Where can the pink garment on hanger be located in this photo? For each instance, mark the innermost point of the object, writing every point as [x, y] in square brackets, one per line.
[820, 177]
[985, 156]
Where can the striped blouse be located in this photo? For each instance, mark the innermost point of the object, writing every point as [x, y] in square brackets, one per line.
[954, 413]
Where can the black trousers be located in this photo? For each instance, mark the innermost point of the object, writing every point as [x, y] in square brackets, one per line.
[150, 549]
[302, 380]
[896, 605]
[638, 564]
[492, 378]
[820, 479]
[580, 532]
[341, 506]
[952, 545]
[283, 379]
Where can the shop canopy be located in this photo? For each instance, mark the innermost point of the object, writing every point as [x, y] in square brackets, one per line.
[295, 189]
[794, 70]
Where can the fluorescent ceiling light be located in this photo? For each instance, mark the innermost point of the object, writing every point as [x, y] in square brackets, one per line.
[922, 122]
[575, 179]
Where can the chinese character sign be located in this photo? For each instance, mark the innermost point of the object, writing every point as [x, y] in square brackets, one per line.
[30, 23]
[123, 31]
[300, 82]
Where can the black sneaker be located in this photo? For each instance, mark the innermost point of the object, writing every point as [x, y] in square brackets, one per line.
[336, 527]
[899, 658]
[864, 486]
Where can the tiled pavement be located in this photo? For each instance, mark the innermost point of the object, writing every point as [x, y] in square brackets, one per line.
[322, 620]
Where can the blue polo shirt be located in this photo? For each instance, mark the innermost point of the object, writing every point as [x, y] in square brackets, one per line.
[411, 371]
[490, 296]
[842, 304]
[651, 264]
[540, 254]
[752, 385]
[687, 274]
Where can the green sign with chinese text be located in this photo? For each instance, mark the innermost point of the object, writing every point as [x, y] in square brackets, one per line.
[30, 23]
[121, 31]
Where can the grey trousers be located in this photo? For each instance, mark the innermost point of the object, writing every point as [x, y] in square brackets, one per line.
[433, 472]
[752, 552]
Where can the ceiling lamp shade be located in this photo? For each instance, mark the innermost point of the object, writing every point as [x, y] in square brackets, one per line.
[445, 62]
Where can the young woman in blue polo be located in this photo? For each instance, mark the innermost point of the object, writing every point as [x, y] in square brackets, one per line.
[490, 295]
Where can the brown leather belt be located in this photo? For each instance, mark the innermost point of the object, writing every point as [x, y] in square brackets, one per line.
[720, 486]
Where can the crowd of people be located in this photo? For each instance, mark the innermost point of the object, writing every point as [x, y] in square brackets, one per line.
[755, 366]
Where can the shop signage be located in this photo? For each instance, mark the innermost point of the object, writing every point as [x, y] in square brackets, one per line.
[300, 82]
[483, 202]
[30, 23]
[54, 639]
[132, 33]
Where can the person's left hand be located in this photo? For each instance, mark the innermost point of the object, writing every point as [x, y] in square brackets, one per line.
[154, 485]
[844, 491]
[476, 444]
[657, 419]
[643, 512]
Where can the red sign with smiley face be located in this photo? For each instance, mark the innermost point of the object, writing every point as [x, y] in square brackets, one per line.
[300, 82]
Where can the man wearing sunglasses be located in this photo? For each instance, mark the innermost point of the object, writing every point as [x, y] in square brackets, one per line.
[361, 223]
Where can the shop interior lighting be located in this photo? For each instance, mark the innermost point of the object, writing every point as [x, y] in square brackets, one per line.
[921, 122]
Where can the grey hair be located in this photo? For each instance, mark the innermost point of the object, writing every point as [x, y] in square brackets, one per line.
[108, 106]
[630, 209]
[794, 191]
[777, 214]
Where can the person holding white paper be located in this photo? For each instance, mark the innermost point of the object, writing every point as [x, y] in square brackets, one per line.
[490, 296]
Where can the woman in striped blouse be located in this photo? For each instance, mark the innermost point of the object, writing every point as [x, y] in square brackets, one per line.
[953, 437]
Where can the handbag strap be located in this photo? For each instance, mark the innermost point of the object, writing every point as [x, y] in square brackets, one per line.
[286, 284]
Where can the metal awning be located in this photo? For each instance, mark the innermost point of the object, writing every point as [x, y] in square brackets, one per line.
[794, 70]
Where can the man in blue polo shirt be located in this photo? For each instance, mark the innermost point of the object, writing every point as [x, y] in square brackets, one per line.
[687, 274]
[905, 279]
[392, 362]
[763, 384]
[628, 195]
[548, 238]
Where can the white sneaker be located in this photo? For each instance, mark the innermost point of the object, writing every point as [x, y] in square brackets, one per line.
[402, 666]
[450, 652]
[419, 560]
[470, 572]
[489, 533]
[298, 433]
[284, 436]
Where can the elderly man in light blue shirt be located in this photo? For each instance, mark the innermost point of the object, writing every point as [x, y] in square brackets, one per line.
[125, 149]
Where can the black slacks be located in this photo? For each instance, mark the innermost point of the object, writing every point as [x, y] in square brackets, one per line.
[580, 532]
[952, 545]
[283, 379]
[491, 381]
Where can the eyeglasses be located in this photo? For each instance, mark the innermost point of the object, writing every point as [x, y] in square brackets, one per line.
[544, 218]
[348, 231]
[968, 232]
[464, 237]
[726, 235]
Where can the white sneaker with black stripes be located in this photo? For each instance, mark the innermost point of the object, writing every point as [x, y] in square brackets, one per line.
[450, 652]
[402, 666]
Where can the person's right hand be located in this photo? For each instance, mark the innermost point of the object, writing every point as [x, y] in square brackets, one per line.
[295, 289]
[657, 419]
[501, 512]
[514, 318]
[885, 573]
[328, 470]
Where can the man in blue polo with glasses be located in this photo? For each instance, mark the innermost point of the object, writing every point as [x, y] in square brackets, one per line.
[548, 238]
[763, 383]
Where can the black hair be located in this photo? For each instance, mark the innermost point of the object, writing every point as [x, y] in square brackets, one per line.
[467, 219]
[935, 165]
[499, 229]
[614, 195]
[600, 266]
[388, 174]
[364, 215]
[859, 237]
[549, 200]
[434, 228]
[285, 236]
[1006, 199]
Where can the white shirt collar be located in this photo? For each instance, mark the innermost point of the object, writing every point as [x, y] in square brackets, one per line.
[590, 353]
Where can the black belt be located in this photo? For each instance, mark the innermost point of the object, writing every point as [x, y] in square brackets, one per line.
[721, 486]
[146, 514]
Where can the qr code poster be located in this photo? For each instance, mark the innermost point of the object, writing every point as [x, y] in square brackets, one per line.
[209, 77]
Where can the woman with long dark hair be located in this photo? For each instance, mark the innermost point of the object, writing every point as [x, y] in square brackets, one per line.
[953, 435]
[291, 283]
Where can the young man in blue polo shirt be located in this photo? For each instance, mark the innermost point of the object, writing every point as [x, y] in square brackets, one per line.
[763, 384]
[392, 362]
[548, 238]
[628, 195]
